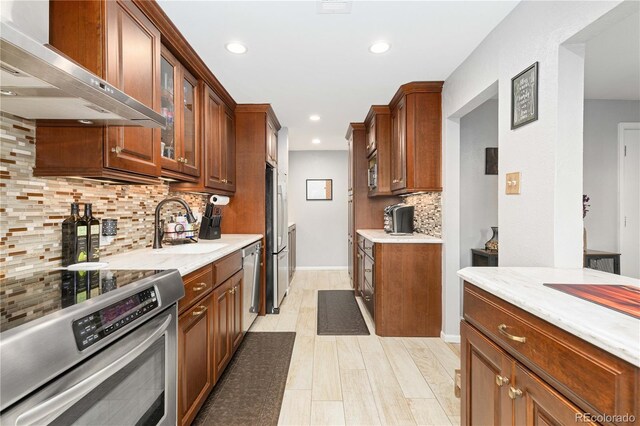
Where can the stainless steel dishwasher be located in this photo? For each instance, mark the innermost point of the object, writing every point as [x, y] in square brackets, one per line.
[251, 262]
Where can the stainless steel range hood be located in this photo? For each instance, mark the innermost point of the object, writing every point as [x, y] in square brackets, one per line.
[39, 83]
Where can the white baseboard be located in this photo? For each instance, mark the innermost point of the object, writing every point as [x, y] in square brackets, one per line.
[450, 338]
[321, 268]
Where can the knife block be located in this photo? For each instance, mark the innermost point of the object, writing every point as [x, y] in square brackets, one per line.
[210, 228]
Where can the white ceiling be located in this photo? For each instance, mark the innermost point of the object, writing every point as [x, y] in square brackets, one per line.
[612, 62]
[307, 63]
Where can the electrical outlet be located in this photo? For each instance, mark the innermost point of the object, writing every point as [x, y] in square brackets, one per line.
[513, 183]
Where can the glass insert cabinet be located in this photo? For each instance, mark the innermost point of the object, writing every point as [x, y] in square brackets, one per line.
[179, 102]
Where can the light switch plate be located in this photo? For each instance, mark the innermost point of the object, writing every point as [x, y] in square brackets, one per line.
[513, 183]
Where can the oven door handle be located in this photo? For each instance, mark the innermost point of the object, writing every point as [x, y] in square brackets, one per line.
[52, 408]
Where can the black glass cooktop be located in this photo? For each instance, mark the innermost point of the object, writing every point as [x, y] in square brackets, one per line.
[25, 299]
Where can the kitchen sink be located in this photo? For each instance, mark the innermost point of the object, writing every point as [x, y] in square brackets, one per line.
[190, 249]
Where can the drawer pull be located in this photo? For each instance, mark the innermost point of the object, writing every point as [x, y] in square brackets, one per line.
[200, 311]
[502, 328]
[501, 380]
[232, 290]
[199, 287]
[367, 270]
[514, 393]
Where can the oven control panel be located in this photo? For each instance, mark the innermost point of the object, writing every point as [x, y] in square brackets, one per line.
[96, 326]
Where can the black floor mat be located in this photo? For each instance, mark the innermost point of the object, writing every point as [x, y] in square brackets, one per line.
[339, 314]
[251, 389]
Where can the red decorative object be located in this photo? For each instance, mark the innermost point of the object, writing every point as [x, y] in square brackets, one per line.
[621, 298]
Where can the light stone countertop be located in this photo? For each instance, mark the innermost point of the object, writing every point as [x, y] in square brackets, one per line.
[185, 263]
[380, 236]
[610, 330]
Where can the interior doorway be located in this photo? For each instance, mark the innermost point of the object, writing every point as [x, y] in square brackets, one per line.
[629, 199]
[611, 116]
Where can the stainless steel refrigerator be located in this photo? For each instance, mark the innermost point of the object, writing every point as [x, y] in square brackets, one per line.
[277, 237]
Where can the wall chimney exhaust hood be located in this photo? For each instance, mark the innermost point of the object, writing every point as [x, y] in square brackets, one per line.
[39, 83]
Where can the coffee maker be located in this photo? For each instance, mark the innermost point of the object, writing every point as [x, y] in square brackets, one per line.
[398, 219]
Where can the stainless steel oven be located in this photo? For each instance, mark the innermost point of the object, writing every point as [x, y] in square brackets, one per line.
[121, 354]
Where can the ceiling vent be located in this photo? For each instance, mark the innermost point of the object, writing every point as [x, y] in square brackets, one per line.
[333, 7]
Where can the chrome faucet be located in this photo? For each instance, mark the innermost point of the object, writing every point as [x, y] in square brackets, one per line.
[158, 225]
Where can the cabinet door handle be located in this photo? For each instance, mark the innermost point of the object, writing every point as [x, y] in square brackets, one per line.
[185, 161]
[232, 290]
[117, 149]
[200, 311]
[502, 328]
[199, 287]
[514, 393]
[396, 181]
[501, 380]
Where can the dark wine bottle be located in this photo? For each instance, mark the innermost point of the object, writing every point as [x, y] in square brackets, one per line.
[81, 243]
[93, 234]
[69, 236]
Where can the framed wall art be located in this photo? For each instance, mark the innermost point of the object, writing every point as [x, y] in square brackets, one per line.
[524, 97]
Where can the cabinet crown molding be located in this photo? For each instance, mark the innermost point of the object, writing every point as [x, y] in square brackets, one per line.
[376, 110]
[416, 87]
[353, 127]
[264, 108]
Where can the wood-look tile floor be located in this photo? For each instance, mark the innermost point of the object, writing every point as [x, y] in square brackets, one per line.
[360, 380]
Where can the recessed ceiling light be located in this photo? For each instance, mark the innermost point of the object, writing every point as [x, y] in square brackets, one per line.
[7, 93]
[314, 117]
[315, 141]
[236, 47]
[85, 121]
[379, 47]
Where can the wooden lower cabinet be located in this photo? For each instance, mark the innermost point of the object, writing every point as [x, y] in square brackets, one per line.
[228, 321]
[222, 327]
[195, 354]
[498, 390]
[209, 331]
[236, 310]
[518, 369]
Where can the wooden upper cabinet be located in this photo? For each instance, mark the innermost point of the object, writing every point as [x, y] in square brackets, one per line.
[117, 42]
[218, 163]
[180, 140]
[378, 123]
[272, 143]
[416, 138]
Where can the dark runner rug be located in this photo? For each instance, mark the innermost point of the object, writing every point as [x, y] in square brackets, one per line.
[251, 389]
[339, 314]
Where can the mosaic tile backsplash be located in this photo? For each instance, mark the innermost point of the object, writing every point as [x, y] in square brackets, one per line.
[427, 217]
[32, 208]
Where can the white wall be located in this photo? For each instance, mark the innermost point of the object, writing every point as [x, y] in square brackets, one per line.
[601, 118]
[543, 225]
[29, 16]
[478, 192]
[321, 226]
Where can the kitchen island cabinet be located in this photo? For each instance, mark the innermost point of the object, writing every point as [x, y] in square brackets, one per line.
[399, 279]
[520, 369]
